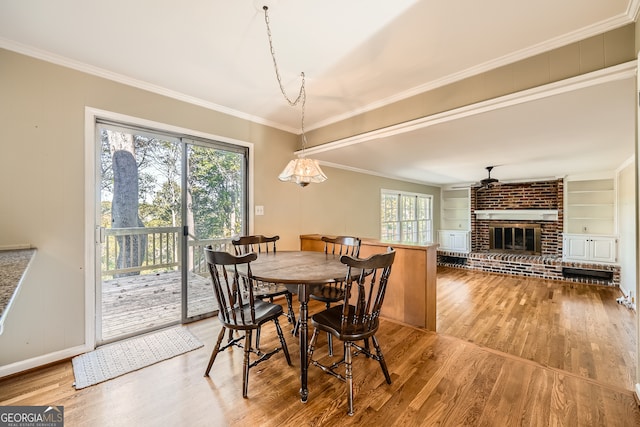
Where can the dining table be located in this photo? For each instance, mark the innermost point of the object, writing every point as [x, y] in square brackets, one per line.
[301, 272]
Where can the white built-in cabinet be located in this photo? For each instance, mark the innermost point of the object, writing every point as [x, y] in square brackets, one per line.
[454, 240]
[590, 248]
[590, 221]
[455, 220]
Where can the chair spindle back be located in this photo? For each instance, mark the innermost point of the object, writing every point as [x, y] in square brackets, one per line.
[257, 243]
[342, 245]
[365, 288]
[234, 291]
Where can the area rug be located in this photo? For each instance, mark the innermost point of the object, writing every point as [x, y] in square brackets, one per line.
[113, 360]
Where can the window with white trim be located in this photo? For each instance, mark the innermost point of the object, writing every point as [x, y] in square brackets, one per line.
[406, 217]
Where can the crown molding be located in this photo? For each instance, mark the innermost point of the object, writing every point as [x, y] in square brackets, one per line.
[373, 173]
[139, 84]
[629, 162]
[557, 42]
[633, 10]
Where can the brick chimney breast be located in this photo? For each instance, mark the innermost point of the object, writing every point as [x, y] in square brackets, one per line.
[529, 195]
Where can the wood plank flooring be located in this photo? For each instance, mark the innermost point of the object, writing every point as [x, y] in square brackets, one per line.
[573, 327]
[437, 380]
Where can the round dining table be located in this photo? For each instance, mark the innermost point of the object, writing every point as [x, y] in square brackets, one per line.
[300, 272]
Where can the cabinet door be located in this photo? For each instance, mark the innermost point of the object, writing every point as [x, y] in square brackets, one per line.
[603, 249]
[443, 239]
[456, 241]
[590, 248]
[576, 247]
[459, 241]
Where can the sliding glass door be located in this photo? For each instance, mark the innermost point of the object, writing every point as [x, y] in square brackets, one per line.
[214, 210]
[162, 198]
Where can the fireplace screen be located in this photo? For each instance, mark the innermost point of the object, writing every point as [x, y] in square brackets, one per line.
[515, 238]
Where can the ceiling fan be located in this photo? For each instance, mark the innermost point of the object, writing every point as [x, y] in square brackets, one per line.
[488, 182]
[483, 184]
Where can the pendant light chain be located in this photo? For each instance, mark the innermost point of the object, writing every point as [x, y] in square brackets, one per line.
[302, 94]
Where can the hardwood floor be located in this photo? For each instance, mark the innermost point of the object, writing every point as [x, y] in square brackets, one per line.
[573, 327]
[437, 380]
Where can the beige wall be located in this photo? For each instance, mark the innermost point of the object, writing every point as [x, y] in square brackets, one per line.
[347, 203]
[637, 39]
[42, 112]
[626, 200]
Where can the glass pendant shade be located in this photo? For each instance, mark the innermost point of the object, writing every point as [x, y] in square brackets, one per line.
[303, 172]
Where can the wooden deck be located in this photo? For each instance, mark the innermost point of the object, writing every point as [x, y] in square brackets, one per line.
[136, 303]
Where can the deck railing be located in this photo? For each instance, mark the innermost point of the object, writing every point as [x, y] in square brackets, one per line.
[198, 263]
[152, 248]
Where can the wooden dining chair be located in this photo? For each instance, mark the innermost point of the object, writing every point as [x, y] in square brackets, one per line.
[357, 318]
[239, 310]
[334, 292]
[264, 290]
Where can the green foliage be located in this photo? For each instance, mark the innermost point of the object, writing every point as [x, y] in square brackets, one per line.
[215, 184]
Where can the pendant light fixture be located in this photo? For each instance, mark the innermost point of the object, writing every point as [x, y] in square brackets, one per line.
[301, 171]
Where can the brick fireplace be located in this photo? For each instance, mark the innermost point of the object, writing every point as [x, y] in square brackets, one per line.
[533, 196]
[522, 239]
[535, 206]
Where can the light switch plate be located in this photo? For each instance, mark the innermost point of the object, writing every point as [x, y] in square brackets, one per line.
[259, 210]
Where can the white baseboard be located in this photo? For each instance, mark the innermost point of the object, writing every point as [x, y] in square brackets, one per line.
[45, 359]
[637, 392]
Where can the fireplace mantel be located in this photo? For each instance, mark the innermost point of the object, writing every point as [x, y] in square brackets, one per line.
[518, 214]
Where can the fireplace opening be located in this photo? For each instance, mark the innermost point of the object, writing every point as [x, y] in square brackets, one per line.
[515, 238]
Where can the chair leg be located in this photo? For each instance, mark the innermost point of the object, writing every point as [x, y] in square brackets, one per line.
[296, 328]
[216, 348]
[312, 346]
[291, 313]
[383, 364]
[258, 338]
[245, 364]
[329, 336]
[283, 343]
[348, 375]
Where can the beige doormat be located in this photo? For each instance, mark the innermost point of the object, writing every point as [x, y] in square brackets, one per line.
[113, 360]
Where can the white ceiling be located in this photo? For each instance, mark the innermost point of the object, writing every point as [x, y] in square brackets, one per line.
[358, 55]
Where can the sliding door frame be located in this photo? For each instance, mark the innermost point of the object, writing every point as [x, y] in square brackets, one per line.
[92, 186]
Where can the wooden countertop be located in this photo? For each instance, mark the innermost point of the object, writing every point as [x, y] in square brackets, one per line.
[374, 242]
[13, 265]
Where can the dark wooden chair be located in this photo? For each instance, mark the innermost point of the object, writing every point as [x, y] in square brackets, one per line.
[239, 310]
[357, 318]
[334, 292]
[264, 290]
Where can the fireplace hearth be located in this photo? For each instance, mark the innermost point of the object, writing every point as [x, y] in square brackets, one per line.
[526, 221]
[515, 238]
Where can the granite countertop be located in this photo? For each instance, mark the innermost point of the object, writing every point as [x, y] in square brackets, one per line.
[13, 264]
